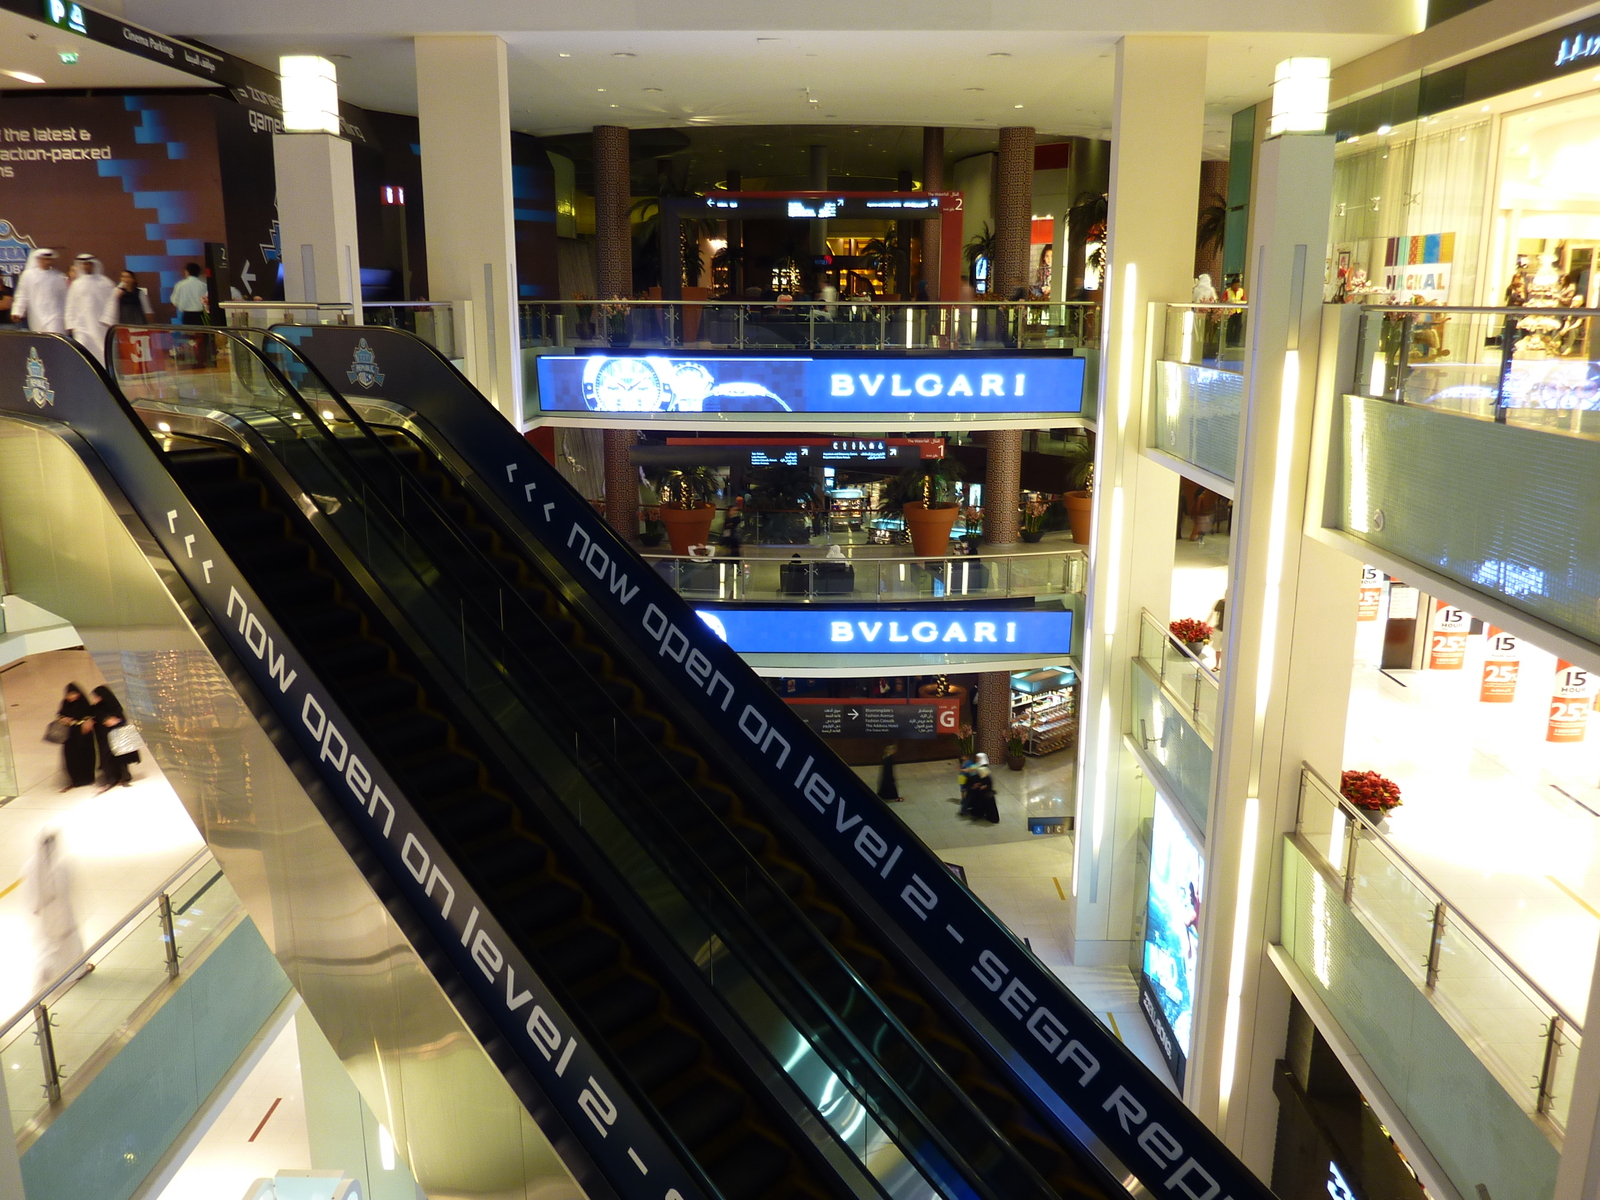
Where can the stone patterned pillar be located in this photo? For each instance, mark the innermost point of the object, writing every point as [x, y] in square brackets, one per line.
[932, 181]
[994, 716]
[1013, 211]
[613, 243]
[613, 251]
[1002, 486]
[622, 483]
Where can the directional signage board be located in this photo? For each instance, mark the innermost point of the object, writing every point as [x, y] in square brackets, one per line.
[913, 719]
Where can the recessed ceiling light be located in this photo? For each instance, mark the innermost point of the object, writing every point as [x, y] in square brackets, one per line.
[974, 89]
[616, 106]
[1016, 106]
[563, 54]
[652, 89]
[599, 89]
[1383, 129]
[623, 54]
[22, 75]
[1000, 54]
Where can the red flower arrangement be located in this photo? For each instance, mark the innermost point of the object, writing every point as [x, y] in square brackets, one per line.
[1369, 791]
[1187, 630]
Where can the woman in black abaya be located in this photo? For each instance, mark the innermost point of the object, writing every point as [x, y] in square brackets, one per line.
[77, 752]
[107, 714]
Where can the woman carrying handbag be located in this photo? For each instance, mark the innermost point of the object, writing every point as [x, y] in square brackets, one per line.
[118, 741]
[71, 731]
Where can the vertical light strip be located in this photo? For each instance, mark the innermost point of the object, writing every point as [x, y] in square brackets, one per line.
[1241, 936]
[1277, 535]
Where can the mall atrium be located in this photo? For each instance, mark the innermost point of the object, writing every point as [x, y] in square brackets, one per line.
[963, 601]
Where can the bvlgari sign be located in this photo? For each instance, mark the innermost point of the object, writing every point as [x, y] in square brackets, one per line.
[1577, 48]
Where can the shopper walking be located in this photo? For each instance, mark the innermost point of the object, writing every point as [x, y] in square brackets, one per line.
[87, 300]
[189, 297]
[47, 881]
[888, 788]
[129, 304]
[106, 714]
[77, 752]
[41, 295]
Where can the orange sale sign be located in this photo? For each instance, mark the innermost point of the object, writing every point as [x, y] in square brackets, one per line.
[1501, 660]
[1569, 704]
[1371, 594]
[1447, 646]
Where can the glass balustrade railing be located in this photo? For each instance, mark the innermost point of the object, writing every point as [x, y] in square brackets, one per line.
[52, 1046]
[812, 324]
[433, 322]
[1199, 385]
[1537, 367]
[1522, 1036]
[856, 574]
[1182, 673]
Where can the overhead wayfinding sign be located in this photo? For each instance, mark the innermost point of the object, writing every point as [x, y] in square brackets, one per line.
[1007, 631]
[914, 719]
[675, 383]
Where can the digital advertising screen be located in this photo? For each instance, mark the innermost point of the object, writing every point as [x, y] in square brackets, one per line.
[1013, 631]
[1172, 936]
[675, 383]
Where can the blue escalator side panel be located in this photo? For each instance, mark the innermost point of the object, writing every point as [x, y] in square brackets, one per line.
[1061, 1042]
[111, 1136]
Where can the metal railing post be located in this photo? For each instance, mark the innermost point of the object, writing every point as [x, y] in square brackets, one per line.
[1508, 343]
[811, 327]
[1435, 945]
[1553, 1043]
[739, 314]
[1352, 842]
[883, 315]
[47, 1054]
[169, 937]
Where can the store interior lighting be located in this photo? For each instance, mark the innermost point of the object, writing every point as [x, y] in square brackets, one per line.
[310, 94]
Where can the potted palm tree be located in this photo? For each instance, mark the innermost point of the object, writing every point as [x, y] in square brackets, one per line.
[926, 496]
[1079, 499]
[686, 506]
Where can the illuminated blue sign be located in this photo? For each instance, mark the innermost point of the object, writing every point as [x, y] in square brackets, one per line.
[879, 631]
[670, 383]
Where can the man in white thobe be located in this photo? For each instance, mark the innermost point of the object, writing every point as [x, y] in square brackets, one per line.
[41, 295]
[87, 299]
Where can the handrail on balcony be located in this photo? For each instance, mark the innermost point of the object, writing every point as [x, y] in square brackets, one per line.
[134, 915]
[1183, 675]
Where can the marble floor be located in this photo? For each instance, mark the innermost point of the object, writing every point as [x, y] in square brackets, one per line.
[1025, 879]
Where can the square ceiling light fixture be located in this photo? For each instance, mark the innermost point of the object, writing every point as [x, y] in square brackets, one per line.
[310, 94]
[1299, 97]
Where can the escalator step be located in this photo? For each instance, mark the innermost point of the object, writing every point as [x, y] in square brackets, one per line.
[410, 731]
[626, 1002]
[662, 1056]
[353, 658]
[752, 1168]
[509, 862]
[704, 1111]
[471, 819]
[542, 908]
[323, 622]
[377, 694]
[578, 955]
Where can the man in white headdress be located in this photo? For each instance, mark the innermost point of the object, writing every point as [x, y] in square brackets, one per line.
[47, 898]
[87, 298]
[41, 295]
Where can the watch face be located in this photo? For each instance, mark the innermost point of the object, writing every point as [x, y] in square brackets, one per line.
[623, 385]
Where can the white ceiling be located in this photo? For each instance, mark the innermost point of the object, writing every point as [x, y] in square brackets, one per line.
[652, 63]
[34, 48]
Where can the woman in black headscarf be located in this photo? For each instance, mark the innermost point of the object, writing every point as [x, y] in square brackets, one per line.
[107, 714]
[77, 752]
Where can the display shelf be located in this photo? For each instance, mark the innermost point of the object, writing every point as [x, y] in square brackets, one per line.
[1048, 719]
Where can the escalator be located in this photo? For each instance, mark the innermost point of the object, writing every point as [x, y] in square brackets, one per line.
[672, 1004]
[1066, 1096]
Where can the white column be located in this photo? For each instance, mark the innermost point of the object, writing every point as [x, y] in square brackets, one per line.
[1287, 661]
[1157, 125]
[317, 219]
[463, 109]
[1578, 1177]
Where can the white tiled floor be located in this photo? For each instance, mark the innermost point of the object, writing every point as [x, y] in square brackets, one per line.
[1024, 878]
[1501, 822]
[122, 843]
[260, 1132]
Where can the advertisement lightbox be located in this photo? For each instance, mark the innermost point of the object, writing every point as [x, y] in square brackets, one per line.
[1172, 936]
[712, 383]
[1007, 631]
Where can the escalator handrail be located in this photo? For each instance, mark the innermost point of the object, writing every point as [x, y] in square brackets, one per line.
[57, 378]
[1136, 1114]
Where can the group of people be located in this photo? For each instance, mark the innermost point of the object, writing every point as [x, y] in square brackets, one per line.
[89, 720]
[977, 789]
[88, 303]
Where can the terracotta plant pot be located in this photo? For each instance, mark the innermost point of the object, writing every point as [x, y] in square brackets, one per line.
[930, 528]
[1080, 508]
[1014, 761]
[688, 526]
